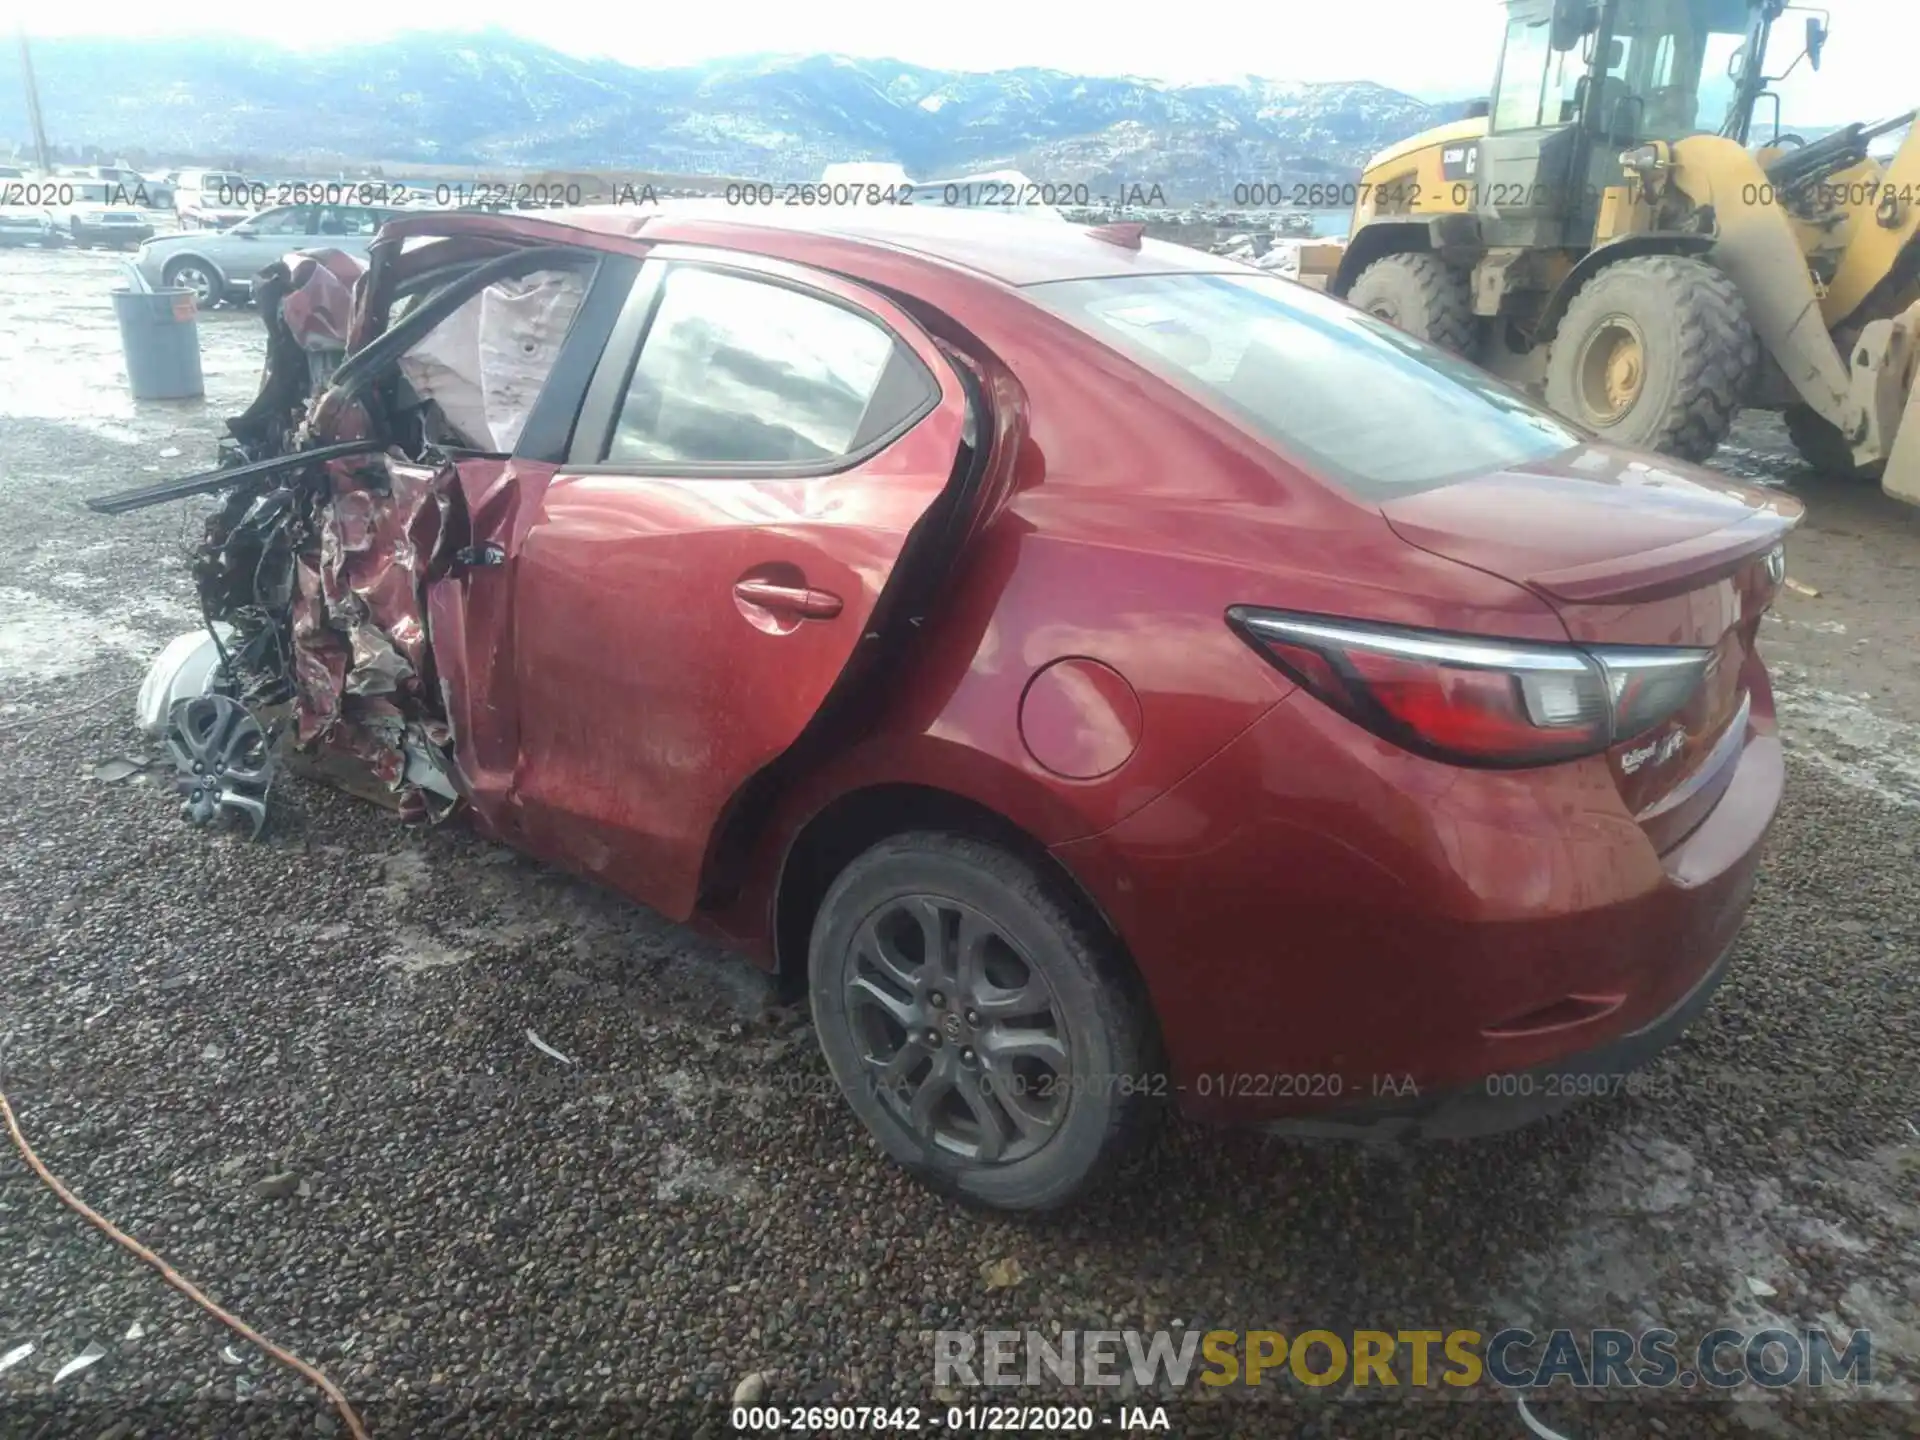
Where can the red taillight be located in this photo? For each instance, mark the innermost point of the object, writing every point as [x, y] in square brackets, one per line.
[1473, 701]
[1468, 712]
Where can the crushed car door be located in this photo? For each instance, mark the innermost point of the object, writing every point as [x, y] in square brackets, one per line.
[758, 447]
[483, 365]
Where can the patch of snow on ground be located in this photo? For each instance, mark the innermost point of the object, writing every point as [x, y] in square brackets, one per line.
[41, 638]
[1843, 736]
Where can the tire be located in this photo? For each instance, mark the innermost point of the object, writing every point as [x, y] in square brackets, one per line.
[1420, 294]
[190, 272]
[1823, 447]
[1062, 1098]
[1685, 322]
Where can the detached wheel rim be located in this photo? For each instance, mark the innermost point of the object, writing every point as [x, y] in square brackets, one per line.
[1612, 370]
[959, 1033]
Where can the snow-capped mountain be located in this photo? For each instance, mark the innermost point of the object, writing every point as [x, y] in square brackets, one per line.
[495, 99]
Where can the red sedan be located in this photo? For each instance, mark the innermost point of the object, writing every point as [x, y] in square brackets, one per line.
[1100, 672]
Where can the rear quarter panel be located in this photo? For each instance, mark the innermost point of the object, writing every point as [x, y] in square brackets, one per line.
[1125, 519]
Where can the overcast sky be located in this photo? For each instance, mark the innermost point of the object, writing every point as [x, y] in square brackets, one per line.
[1428, 47]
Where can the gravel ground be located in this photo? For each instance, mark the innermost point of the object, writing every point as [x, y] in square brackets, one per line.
[300, 1069]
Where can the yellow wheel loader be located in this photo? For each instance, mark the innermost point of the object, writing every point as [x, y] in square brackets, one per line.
[1601, 233]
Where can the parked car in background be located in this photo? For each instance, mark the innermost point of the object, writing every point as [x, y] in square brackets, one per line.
[1102, 674]
[104, 213]
[145, 192]
[121, 175]
[27, 225]
[220, 265]
[211, 199]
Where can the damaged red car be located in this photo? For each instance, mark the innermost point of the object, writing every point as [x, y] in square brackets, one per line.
[1102, 674]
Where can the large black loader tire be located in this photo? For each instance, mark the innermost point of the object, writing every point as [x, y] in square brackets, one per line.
[1822, 446]
[1655, 352]
[1420, 294]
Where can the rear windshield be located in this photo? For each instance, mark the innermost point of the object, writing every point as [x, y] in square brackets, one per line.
[1341, 392]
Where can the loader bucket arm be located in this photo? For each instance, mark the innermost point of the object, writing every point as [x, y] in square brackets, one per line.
[1756, 246]
[1902, 480]
[1899, 411]
[1882, 260]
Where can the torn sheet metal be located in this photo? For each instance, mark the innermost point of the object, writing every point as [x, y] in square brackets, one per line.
[318, 304]
[347, 487]
[307, 302]
[362, 668]
[316, 574]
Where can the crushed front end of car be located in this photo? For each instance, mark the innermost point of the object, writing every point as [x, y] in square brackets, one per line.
[342, 505]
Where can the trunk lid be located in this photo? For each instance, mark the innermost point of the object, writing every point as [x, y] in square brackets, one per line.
[1633, 550]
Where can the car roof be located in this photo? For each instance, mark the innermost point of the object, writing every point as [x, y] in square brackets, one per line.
[1016, 249]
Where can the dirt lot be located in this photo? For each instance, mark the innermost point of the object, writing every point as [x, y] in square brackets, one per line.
[300, 1069]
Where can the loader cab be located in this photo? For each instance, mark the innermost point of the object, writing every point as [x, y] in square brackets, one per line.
[1629, 71]
[1581, 80]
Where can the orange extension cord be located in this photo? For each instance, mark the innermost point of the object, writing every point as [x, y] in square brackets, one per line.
[178, 1281]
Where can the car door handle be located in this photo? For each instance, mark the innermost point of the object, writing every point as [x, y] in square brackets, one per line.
[794, 599]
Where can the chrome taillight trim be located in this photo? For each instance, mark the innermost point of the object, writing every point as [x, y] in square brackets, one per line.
[1608, 667]
[1469, 653]
[1626, 657]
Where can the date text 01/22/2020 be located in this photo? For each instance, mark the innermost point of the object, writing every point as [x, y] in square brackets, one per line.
[951, 1419]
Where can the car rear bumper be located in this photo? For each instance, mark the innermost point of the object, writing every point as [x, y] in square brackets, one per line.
[1324, 921]
[1508, 1101]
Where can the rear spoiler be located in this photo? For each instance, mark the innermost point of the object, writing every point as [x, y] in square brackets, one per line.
[1670, 569]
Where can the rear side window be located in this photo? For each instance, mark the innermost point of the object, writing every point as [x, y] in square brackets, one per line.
[1345, 394]
[737, 371]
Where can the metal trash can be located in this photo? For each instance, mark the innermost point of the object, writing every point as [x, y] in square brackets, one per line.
[160, 340]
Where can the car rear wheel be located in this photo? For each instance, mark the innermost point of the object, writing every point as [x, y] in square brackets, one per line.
[192, 273]
[984, 1033]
